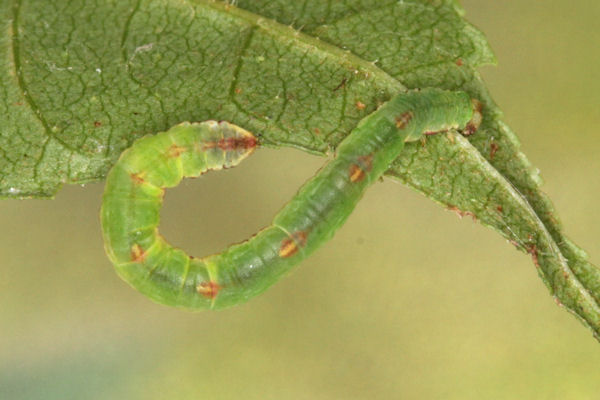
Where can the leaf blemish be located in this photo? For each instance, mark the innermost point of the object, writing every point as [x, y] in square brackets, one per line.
[462, 213]
[493, 149]
[341, 85]
[404, 119]
[532, 250]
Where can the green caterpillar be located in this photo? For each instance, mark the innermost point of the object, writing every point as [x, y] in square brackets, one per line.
[135, 187]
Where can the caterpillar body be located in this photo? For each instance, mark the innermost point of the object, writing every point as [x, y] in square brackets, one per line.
[135, 186]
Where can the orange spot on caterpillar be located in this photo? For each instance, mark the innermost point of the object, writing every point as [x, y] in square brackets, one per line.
[175, 151]
[476, 120]
[137, 253]
[493, 149]
[208, 289]
[360, 105]
[137, 178]
[358, 171]
[291, 245]
[404, 119]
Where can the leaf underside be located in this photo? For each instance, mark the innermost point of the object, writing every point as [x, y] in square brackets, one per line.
[80, 80]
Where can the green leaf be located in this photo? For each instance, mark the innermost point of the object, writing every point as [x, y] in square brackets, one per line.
[80, 80]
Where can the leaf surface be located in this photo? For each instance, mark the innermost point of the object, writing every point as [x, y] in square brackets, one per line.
[81, 79]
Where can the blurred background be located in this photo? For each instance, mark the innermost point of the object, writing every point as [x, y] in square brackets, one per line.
[421, 305]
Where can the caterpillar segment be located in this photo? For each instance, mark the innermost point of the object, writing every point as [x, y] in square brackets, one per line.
[135, 187]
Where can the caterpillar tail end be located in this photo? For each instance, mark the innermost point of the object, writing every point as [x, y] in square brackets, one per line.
[475, 122]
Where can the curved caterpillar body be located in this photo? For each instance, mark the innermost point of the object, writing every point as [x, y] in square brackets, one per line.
[135, 188]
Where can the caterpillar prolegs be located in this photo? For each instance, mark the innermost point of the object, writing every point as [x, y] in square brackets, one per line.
[135, 187]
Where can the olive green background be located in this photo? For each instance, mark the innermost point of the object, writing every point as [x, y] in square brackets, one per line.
[407, 301]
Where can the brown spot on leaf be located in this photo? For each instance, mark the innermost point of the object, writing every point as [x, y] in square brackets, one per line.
[515, 243]
[317, 131]
[404, 119]
[137, 253]
[558, 302]
[500, 209]
[291, 245]
[238, 90]
[462, 213]
[532, 249]
[97, 124]
[459, 62]
[493, 149]
[360, 105]
[208, 289]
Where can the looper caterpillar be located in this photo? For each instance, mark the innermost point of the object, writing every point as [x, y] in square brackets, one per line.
[135, 187]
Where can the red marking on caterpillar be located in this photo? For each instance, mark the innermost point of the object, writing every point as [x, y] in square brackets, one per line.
[404, 119]
[209, 289]
[137, 253]
[137, 178]
[291, 245]
[230, 144]
[175, 151]
[475, 122]
[358, 171]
